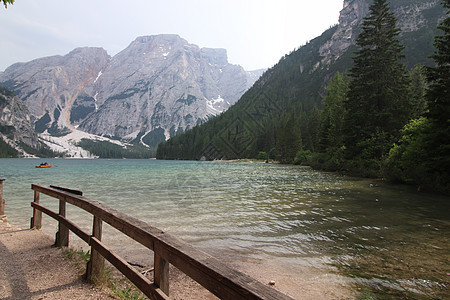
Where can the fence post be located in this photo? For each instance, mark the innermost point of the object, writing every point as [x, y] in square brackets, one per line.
[36, 220]
[2, 202]
[62, 236]
[95, 266]
[161, 273]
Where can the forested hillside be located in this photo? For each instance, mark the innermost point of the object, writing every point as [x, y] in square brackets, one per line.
[301, 109]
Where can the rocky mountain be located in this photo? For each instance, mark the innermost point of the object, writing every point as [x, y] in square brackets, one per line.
[158, 86]
[16, 123]
[161, 85]
[50, 86]
[298, 83]
[417, 20]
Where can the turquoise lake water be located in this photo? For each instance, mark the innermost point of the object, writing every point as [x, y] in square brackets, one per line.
[387, 238]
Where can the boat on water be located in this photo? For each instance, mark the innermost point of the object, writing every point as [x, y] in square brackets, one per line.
[44, 165]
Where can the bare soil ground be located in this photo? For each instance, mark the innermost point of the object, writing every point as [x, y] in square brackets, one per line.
[31, 268]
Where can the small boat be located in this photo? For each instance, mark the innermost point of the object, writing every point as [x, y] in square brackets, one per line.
[45, 165]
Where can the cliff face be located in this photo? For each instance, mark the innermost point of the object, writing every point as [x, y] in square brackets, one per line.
[163, 82]
[411, 17]
[16, 123]
[49, 86]
[350, 18]
[156, 83]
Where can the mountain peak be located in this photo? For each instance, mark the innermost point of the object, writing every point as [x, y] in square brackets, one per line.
[215, 56]
[159, 39]
[159, 85]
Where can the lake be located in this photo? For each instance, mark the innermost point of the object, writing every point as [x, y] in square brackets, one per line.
[311, 231]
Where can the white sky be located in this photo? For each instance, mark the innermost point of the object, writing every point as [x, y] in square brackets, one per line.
[255, 33]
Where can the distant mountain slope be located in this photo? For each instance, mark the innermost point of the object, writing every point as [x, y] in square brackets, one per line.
[163, 85]
[52, 86]
[298, 81]
[156, 87]
[17, 135]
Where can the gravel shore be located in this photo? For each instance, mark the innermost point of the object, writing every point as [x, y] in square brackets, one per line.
[31, 268]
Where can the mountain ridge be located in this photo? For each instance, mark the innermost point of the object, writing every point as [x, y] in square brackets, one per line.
[156, 87]
[298, 83]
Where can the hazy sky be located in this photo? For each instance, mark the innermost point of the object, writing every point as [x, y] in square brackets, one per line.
[256, 33]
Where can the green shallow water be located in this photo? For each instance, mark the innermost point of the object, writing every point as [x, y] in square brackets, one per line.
[392, 240]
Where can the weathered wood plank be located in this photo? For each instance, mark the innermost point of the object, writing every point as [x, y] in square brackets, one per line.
[96, 265]
[70, 225]
[62, 236]
[36, 221]
[2, 201]
[76, 192]
[161, 272]
[218, 278]
[215, 276]
[134, 228]
[143, 283]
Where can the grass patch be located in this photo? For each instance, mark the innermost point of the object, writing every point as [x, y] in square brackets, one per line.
[128, 293]
[78, 256]
[111, 279]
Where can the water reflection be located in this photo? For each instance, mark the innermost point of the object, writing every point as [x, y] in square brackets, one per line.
[388, 238]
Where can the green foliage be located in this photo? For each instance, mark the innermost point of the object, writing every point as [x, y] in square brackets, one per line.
[289, 139]
[128, 293]
[438, 94]
[262, 155]
[4, 92]
[408, 158]
[253, 123]
[333, 113]
[314, 129]
[361, 118]
[418, 89]
[75, 254]
[303, 157]
[377, 104]
[105, 149]
[6, 2]
[438, 102]
[6, 151]
[41, 150]
[331, 160]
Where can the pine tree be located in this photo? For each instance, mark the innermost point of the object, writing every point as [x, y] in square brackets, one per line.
[332, 117]
[377, 104]
[438, 101]
[418, 88]
[289, 139]
[314, 127]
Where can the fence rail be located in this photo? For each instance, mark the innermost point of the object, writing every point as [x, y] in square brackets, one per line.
[218, 278]
[2, 202]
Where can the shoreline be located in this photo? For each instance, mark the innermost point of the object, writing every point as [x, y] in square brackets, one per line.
[310, 281]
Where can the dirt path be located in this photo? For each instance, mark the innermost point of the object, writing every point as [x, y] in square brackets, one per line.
[30, 268]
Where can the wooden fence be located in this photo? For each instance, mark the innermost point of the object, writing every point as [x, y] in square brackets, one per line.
[2, 202]
[219, 279]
